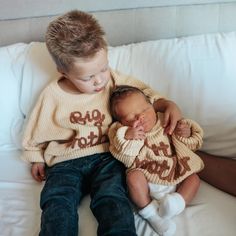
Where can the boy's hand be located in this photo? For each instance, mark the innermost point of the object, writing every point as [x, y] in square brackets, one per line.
[38, 171]
[135, 132]
[183, 129]
[172, 115]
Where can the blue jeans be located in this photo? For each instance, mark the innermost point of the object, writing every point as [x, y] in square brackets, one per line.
[67, 182]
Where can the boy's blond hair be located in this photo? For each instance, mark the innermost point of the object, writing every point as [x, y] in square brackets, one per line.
[74, 35]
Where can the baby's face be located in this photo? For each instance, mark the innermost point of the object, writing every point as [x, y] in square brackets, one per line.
[134, 109]
[90, 75]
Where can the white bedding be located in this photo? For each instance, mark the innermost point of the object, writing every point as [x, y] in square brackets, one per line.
[197, 72]
[212, 212]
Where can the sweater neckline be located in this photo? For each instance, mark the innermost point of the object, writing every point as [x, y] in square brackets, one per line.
[157, 127]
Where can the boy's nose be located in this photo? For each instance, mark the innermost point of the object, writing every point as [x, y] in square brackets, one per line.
[97, 80]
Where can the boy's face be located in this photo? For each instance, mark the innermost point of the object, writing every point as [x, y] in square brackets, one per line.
[134, 108]
[90, 75]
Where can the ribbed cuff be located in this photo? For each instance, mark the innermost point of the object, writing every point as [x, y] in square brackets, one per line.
[32, 156]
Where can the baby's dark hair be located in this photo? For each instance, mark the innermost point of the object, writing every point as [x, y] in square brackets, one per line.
[120, 92]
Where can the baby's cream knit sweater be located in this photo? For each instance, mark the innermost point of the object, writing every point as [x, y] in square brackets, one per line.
[163, 159]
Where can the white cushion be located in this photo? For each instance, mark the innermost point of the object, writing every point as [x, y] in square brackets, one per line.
[197, 72]
[39, 70]
[25, 70]
[11, 64]
[20, 212]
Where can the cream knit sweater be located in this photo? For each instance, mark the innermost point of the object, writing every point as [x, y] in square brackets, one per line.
[163, 159]
[66, 126]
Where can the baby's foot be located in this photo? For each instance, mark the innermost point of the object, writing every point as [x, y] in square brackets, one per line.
[164, 227]
[171, 205]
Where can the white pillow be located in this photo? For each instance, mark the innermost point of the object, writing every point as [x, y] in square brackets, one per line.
[39, 70]
[25, 70]
[11, 65]
[197, 72]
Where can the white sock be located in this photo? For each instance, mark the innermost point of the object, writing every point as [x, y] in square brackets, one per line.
[171, 205]
[161, 226]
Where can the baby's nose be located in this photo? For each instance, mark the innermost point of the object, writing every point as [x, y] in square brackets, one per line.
[141, 117]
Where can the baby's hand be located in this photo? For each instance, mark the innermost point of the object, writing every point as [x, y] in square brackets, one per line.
[38, 171]
[135, 133]
[183, 129]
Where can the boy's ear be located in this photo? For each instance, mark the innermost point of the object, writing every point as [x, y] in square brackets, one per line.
[61, 71]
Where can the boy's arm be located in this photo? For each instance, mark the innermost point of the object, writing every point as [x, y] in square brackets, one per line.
[122, 149]
[38, 171]
[32, 147]
[195, 140]
[172, 114]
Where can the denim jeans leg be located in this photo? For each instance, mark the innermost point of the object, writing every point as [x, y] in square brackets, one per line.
[109, 201]
[59, 201]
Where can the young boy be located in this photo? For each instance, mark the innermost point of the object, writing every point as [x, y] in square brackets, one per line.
[66, 136]
[156, 163]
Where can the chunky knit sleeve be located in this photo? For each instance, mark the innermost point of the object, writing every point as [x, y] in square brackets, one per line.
[41, 127]
[122, 149]
[32, 148]
[195, 141]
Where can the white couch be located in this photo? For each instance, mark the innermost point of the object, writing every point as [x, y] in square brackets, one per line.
[198, 72]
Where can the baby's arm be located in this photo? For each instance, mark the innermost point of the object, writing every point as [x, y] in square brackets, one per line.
[135, 133]
[124, 149]
[183, 129]
[189, 133]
